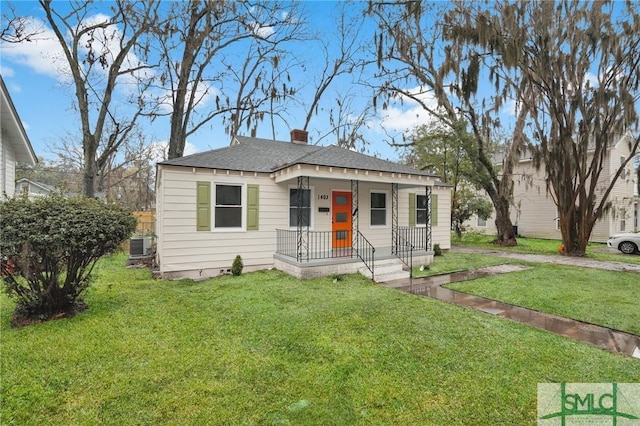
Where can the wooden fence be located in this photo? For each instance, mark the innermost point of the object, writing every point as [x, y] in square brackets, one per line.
[146, 222]
[146, 226]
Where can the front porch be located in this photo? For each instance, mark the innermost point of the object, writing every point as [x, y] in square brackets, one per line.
[333, 229]
[309, 254]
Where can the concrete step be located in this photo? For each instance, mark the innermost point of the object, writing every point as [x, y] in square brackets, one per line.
[387, 270]
[383, 278]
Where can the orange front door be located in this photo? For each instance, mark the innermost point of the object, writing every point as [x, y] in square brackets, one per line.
[341, 220]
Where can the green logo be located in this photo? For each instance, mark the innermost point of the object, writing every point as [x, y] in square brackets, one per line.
[588, 403]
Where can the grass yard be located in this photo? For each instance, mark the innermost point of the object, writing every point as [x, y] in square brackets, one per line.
[597, 251]
[265, 348]
[456, 262]
[606, 298]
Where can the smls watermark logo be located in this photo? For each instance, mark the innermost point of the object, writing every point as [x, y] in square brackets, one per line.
[566, 404]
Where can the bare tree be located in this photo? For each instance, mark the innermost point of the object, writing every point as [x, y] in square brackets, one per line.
[576, 68]
[211, 78]
[345, 58]
[16, 29]
[263, 87]
[420, 61]
[100, 54]
[126, 177]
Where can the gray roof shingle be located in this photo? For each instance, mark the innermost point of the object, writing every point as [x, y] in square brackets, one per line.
[264, 156]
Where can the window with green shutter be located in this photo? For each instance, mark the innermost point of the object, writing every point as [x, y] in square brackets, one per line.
[203, 206]
[253, 204]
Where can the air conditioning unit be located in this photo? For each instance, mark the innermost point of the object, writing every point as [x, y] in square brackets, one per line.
[140, 246]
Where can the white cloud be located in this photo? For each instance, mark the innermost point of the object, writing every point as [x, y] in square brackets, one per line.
[160, 149]
[6, 71]
[403, 117]
[43, 54]
[510, 108]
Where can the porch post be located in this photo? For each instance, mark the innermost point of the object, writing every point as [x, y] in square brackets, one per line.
[354, 216]
[302, 231]
[428, 244]
[394, 218]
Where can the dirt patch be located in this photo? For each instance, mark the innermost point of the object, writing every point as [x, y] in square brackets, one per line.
[19, 319]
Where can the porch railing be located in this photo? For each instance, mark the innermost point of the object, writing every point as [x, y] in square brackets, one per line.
[318, 245]
[404, 251]
[366, 252]
[416, 236]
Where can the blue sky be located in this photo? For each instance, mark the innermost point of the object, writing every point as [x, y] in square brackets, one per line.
[44, 100]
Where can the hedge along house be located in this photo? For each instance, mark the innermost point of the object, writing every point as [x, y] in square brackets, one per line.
[308, 210]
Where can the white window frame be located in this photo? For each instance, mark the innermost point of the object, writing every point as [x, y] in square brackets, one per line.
[386, 208]
[311, 206]
[243, 207]
[478, 224]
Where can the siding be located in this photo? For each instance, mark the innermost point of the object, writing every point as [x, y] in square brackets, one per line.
[184, 251]
[534, 211]
[8, 172]
[182, 248]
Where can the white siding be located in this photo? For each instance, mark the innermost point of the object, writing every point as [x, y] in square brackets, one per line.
[441, 233]
[185, 252]
[205, 253]
[8, 172]
[535, 211]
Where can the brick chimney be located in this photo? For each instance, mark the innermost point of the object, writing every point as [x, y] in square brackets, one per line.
[299, 136]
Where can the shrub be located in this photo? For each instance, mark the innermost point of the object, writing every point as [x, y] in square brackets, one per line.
[437, 251]
[52, 245]
[237, 265]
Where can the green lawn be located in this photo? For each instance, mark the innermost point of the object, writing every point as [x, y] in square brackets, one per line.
[265, 348]
[455, 262]
[597, 251]
[606, 298]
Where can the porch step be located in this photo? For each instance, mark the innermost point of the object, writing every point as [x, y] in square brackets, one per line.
[387, 270]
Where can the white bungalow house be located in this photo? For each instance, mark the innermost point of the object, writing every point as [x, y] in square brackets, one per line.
[308, 210]
[535, 214]
[14, 143]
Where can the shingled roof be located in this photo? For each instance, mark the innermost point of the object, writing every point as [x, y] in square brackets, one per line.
[265, 156]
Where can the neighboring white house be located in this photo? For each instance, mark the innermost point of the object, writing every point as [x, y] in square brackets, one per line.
[536, 215]
[33, 189]
[14, 143]
[308, 210]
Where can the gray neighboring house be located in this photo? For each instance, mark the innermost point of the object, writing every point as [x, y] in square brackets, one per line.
[307, 210]
[14, 143]
[34, 189]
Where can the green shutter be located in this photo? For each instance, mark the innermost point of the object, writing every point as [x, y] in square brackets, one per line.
[412, 209]
[253, 202]
[203, 206]
[434, 209]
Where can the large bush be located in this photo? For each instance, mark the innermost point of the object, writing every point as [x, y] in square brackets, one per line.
[49, 248]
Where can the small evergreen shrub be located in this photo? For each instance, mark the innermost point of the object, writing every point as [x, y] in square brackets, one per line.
[51, 245]
[437, 251]
[237, 265]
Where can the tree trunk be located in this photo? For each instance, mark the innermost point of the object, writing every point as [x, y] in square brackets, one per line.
[506, 237]
[575, 235]
[90, 168]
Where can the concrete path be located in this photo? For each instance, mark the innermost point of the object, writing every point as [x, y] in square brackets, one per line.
[604, 337]
[583, 262]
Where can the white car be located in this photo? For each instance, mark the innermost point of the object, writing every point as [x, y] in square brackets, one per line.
[628, 242]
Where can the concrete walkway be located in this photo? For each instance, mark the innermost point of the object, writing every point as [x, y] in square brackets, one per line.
[606, 338]
[583, 262]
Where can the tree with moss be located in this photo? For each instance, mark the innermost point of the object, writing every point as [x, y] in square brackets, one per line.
[418, 60]
[573, 70]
